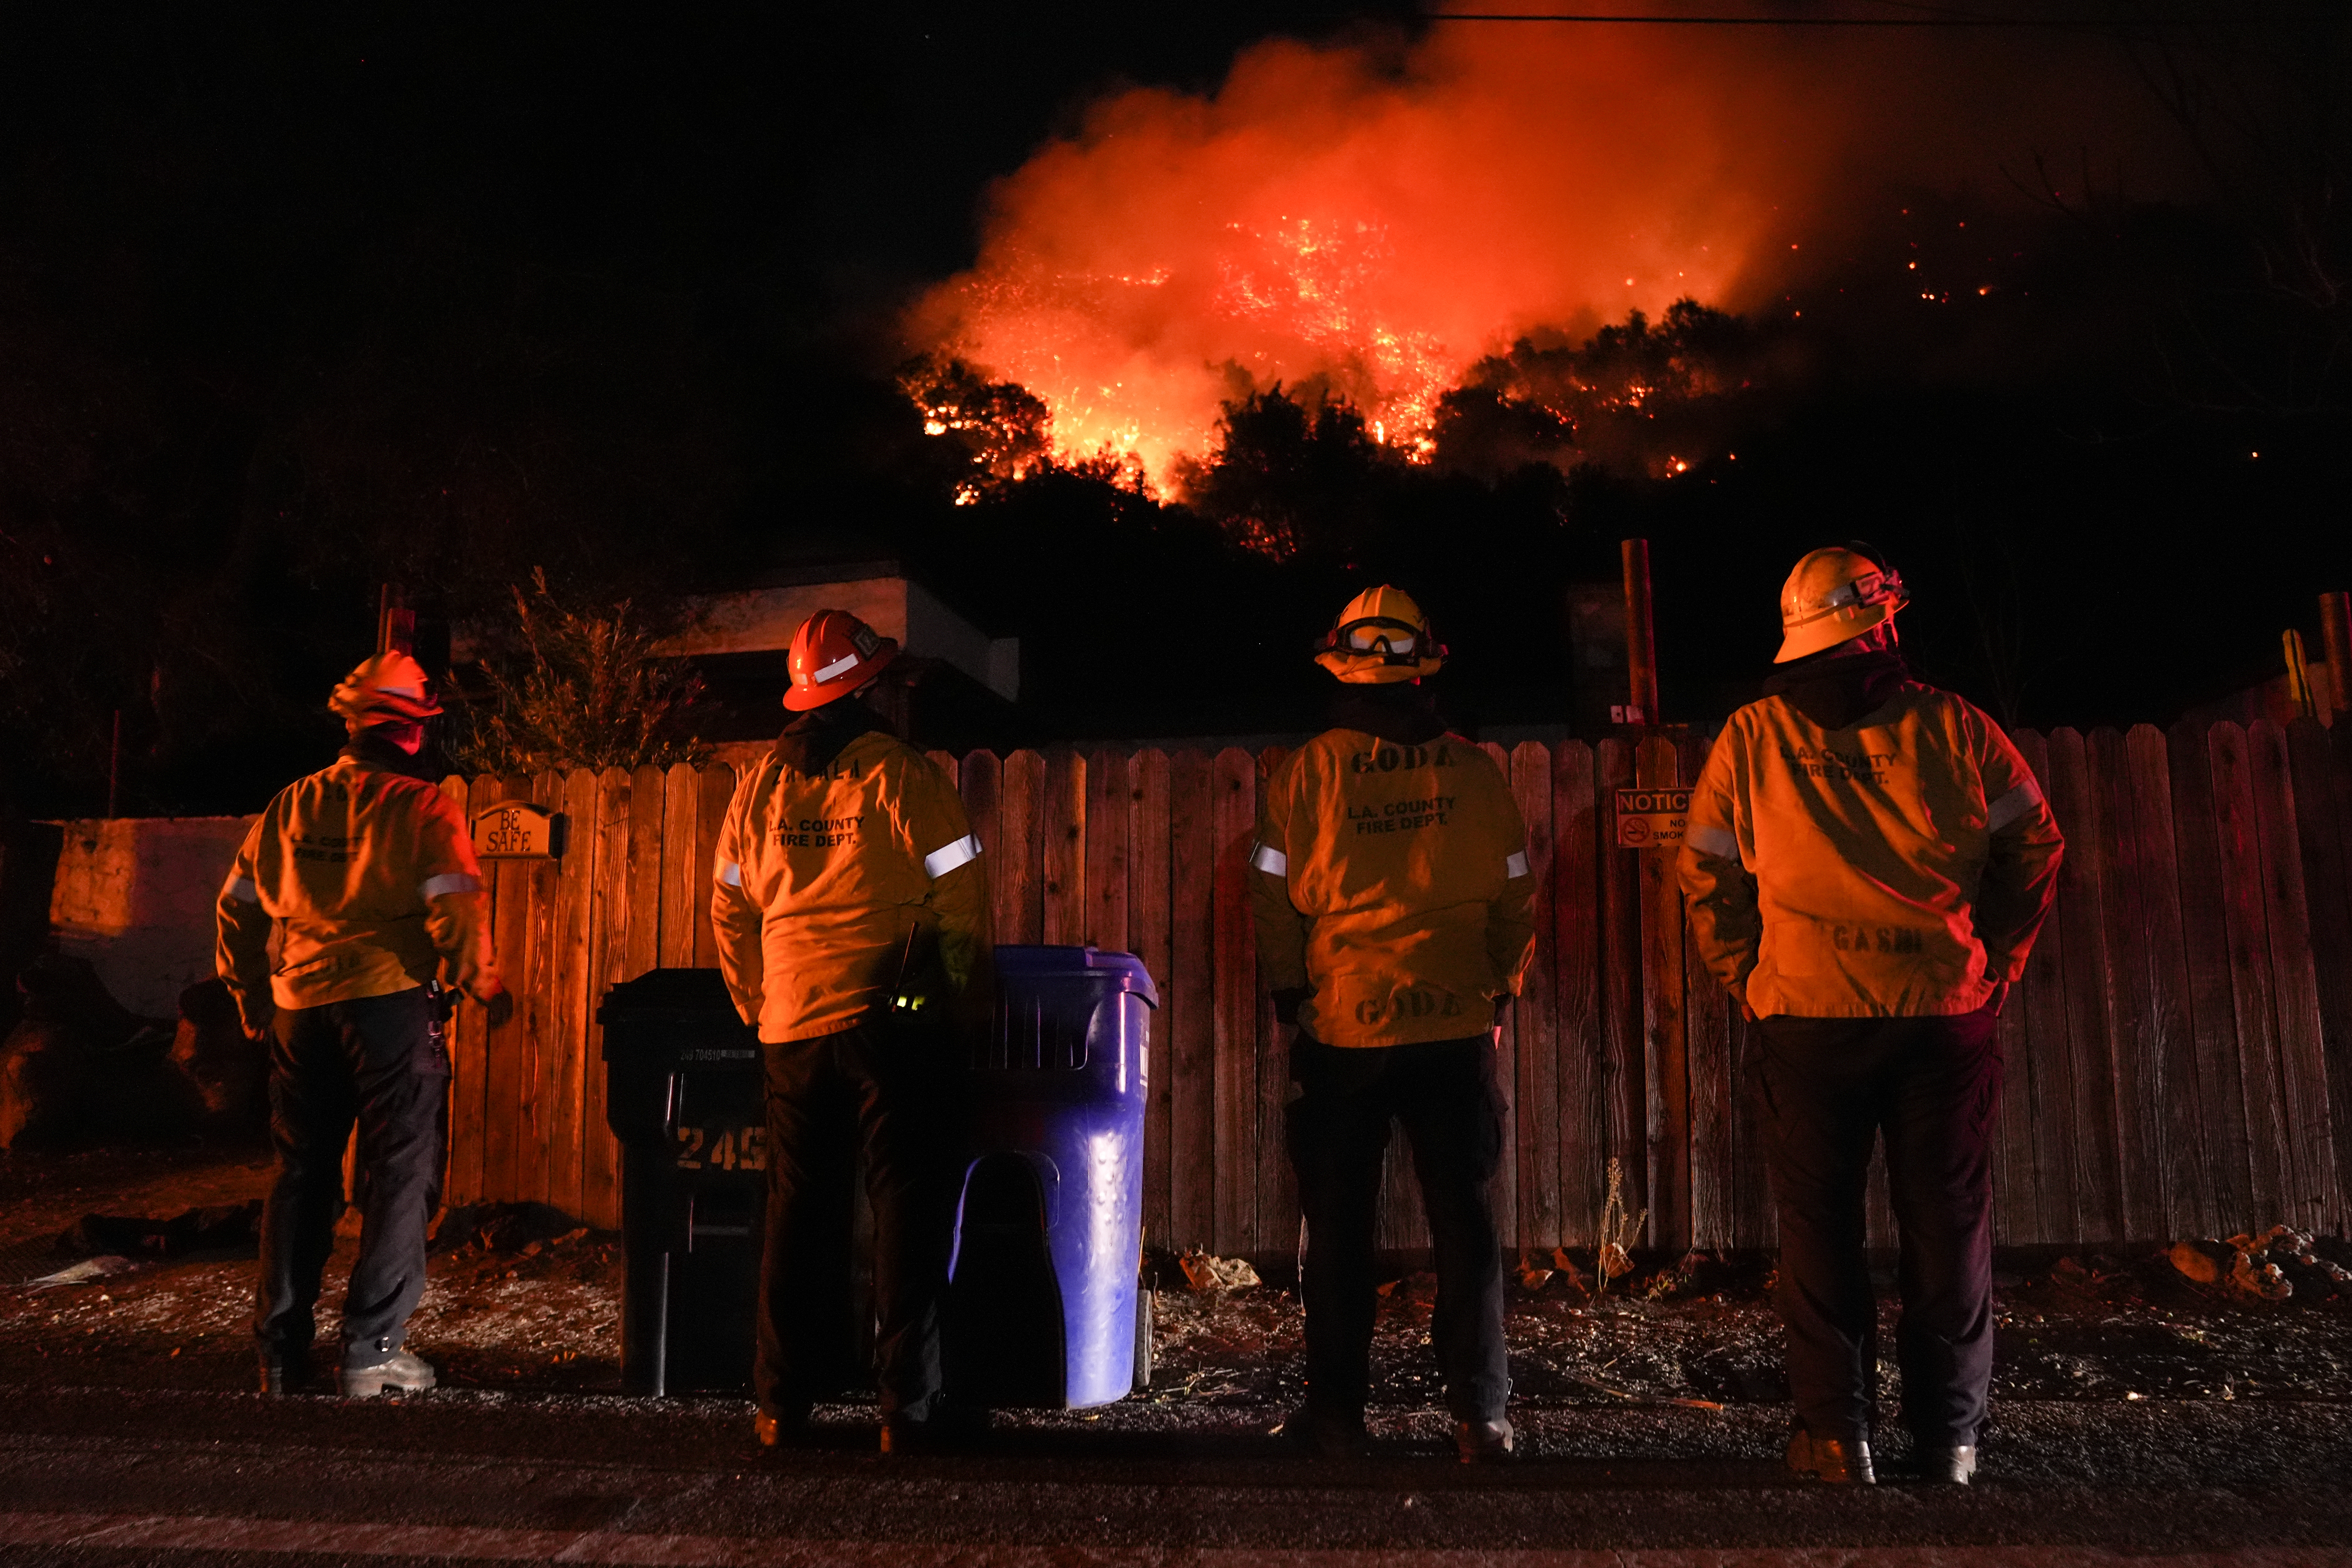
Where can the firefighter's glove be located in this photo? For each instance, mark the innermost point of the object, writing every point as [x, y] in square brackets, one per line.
[1286, 1002]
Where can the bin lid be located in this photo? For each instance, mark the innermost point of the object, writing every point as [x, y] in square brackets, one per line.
[1118, 971]
[675, 1016]
[698, 992]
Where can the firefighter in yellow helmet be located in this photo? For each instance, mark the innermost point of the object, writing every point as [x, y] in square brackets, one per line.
[852, 911]
[1393, 904]
[366, 873]
[1867, 861]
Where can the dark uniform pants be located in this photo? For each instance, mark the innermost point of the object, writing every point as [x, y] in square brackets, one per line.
[1445, 1093]
[381, 1061]
[1827, 1088]
[885, 1089]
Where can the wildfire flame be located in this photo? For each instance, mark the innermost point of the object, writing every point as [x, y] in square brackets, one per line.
[1356, 222]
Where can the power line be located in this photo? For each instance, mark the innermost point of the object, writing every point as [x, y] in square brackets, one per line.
[1946, 21]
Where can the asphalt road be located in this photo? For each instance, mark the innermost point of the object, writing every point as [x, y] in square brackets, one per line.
[110, 1477]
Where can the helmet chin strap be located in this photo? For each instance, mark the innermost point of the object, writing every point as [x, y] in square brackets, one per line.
[406, 734]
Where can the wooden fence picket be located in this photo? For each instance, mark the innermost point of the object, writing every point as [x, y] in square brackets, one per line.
[608, 946]
[1148, 930]
[1233, 818]
[2172, 1131]
[2220, 1094]
[2310, 1198]
[2244, 912]
[1579, 1019]
[2323, 816]
[1535, 1046]
[1191, 1003]
[1103, 923]
[1062, 832]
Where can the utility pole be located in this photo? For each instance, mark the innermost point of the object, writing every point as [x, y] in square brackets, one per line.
[1640, 644]
[1658, 1008]
[395, 623]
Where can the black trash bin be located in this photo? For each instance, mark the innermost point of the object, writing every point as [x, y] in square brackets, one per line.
[686, 1096]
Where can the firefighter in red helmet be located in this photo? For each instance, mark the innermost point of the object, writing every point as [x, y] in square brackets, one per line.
[852, 912]
[365, 873]
[1867, 861]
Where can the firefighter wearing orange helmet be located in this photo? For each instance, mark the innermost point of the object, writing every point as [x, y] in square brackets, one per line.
[1393, 903]
[852, 912]
[366, 874]
[1866, 863]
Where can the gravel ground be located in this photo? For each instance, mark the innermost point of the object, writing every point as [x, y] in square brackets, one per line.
[520, 1303]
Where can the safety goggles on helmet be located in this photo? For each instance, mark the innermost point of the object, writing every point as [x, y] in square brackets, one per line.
[1378, 635]
[1381, 638]
[1882, 587]
[1833, 596]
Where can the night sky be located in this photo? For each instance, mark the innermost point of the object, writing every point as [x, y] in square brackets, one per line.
[296, 300]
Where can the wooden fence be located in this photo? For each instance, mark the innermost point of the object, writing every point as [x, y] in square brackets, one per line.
[2183, 1029]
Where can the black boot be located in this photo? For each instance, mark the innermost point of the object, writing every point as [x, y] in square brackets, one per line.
[1830, 1459]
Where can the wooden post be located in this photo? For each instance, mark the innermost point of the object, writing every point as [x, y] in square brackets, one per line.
[1640, 644]
[2336, 646]
[1665, 1062]
[2298, 676]
[395, 623]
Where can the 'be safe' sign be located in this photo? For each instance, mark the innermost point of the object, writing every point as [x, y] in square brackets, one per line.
[517, 830]
[1652, 818]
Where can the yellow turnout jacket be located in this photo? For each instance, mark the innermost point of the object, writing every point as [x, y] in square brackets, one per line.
[370, 878]
[1392, 881]
[1895, 868]
[822, 878]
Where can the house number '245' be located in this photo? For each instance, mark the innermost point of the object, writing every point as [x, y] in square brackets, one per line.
[735, 1148]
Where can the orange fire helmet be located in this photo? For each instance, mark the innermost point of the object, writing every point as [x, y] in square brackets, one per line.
[834, 654]
[388, 689]
[1835, 595]
[1381, 637]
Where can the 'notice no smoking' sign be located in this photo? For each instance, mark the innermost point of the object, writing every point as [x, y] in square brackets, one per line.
[1652, 818]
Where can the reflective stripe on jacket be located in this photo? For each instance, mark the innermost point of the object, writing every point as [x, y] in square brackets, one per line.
[372, 878]
[1393, 882]
[1894, 868]
[821, 878]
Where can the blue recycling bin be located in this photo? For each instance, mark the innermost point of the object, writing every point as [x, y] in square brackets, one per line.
[1043, 1309]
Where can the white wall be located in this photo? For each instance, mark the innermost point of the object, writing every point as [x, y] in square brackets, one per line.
[135, 896]
[763, 620]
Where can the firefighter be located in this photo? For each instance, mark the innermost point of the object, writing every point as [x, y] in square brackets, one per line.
[852, 912]
[1393, 904]
[1866, 863]
[366, 873]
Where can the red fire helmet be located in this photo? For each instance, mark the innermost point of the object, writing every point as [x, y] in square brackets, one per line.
[834, 654]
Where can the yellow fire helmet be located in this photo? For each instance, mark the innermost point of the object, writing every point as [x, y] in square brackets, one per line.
[387, 688]
[1381, 637]
[1835, 595]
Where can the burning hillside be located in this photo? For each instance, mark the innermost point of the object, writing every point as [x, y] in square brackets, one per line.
[1357, 223]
